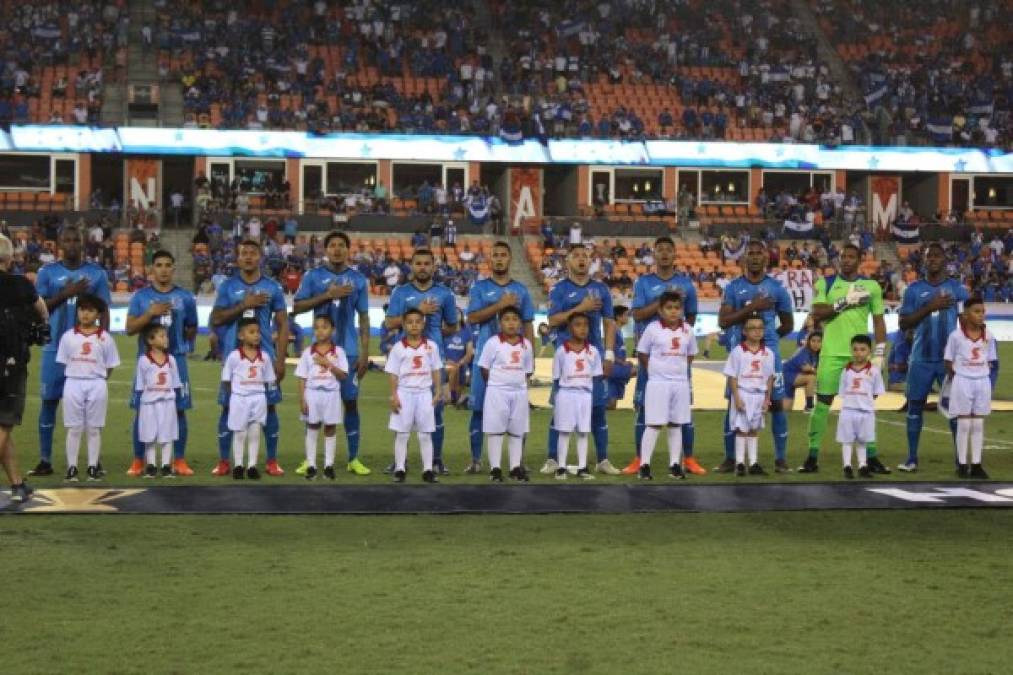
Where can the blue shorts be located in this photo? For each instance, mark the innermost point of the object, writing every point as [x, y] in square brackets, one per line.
[617, 389]
[789, 381]
[921, 375]
[52, 377]
[350, 385]
[273, 394]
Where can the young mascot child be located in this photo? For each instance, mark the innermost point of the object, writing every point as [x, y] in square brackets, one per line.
[750, 371]
[322, 367]
[574, 367]
[246, 374]
[157, 379]
[968, 357]
[861, 383]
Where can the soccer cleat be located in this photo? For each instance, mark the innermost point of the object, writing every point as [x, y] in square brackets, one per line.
[740, 469]
[429, 477]
[781, 466]
[560, 473]
[757, 470]
[238, 473]
[399, 476]
[473, 467]
[496, 474]
[329, 473]
[302, 468]
[253, 473]
[440, 468]
[584, 474]
[311, 473]
[692, 466]
[811, 465]
[908, 467]
[864, 472]
[43, 468]
[21, 492]
[706, 353]
[727, 466]
[675, 471]
[94, 474]
[273, 469]
[181, 468]
[167, 471]
[520, 474]
[632, 468]
[849, 473]
[978, 471]
[71, 474]
[100, 469]
[222, 468]
[358, 468]
[550, 467]
[963, 471]
[136, 468]
[606, 468]
[150, 471]
[390, 468]
[876, 466]
[644, 472]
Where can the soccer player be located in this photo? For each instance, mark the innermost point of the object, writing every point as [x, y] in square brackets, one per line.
[929, 308]
[247, 376]
[750, 369]
[460, 354]
[968, 356]
[800, 371]
[322, 368]
[415, 371]
[898, 360]
[436, 303]
[163, 303]
[59, 284]
[622, 369]
[756, 294]
[506, 362]
[489, 297]
[666, 350]
[842, 305]
[342, 293]
[88, 355]
[157, 387]
[860, 384]
[580, 294]
[576, 370]
[251, 295]
[646, 291]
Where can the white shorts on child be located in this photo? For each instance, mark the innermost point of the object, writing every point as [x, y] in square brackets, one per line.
[970, 396]
[666, 402]
[157, 422]
[750, 419]
[856, 426]
[506, 411]
[572, 411]
[324, 407]
[246, 410]
[85, 402]
[417, 412]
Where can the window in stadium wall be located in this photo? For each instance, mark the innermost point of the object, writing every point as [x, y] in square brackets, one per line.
[346, 177]
[409, 176]
[993, 192]
[257, 175]
[312, 181]
[795, 182]
[66, 176]
[727, 187]
[632, 185]
[25, 172]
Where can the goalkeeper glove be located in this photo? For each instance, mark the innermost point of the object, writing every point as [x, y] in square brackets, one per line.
[877, 356]
[855, 296]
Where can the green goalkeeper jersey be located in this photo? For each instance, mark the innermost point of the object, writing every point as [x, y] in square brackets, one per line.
[853, 321]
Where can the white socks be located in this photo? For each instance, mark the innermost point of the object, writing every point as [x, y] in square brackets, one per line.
[73, 445]
[859, 453]
[674, 445]
[582, 450]
[647, 444]
[515, 446]
[151, 454]
[238, 444]
[977, 439]
[563, 446]
[650, 439]
[249, 438]
[495, 450]
[970, 431]
[740, 449]
[401, 450]
[94, 436]
[311, 446]
[426, 448]
[166, 454]
[746, 447]
[330, 449]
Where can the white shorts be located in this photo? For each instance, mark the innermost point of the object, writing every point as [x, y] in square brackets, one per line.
[85, 403]
[324, 407]
[247, 410]
[505, 411]
[970, 396]
[417, 412]
[572, 411]
[666, 403]
[856, 426]
[751, 419]
[157, 422]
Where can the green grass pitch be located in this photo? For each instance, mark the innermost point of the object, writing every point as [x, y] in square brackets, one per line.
[817, 592]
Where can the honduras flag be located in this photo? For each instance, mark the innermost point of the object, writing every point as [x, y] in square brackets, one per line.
[876, 94]
[905, 233]
[941, 129]
[569, 28]
[478, 209]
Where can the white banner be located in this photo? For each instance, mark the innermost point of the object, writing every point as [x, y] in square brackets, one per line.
[794, 226]
[799, 284]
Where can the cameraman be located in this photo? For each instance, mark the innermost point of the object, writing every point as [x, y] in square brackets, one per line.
[20, 306]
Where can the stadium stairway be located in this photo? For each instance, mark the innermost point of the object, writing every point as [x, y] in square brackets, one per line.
[521, 271]
[496, 45]
[886, 252]
[177, 242]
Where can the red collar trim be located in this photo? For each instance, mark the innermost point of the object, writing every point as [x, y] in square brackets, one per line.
[761, 350]
[151, 358]
[518, 340]
[568, 347]
[98, 331]
[259, 357]
[672, 326]
[963, 329]
[867, 366]
[405, 342]
[332, 350]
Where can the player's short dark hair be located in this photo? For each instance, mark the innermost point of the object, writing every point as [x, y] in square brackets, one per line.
[325, 317]
[335, 234]
[150, 331]
[670, 296]
[935, 244]
[578, 315]
[853, 247]
[664, 240]
[422, 251]
[973, 300]
[249, 321]
[753, 317]
[815, 333]
[249, 242]
[504, 245]
[619, 310]
[412, 310]
[162, 253]
[510, 310]
[575, 247]
[91, 301]
[757, 242]
[861, 339]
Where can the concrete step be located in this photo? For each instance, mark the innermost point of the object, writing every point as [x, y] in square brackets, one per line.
[520, 270]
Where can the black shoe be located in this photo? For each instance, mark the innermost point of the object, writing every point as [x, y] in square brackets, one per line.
[252, 473]
[167, 471]
[429, 477]
[496, 474]
[311, 473]
[864, 472]
[811, 465]
[584, 474]
[781, 466]
[849, 473]
[43, 468]
[93, 474]
[561, 473]
[645, 472]
[21, 492]
[329, 473]
[238, 473]
[440, 468]
[520, 474]
[727, 466]
[876, 466]
[757, 470]
[675, 471]
[399, 476]
[740, 469]
[150, 471]
[978, 471]
[71, 474]
[100, 469]
[963, 471]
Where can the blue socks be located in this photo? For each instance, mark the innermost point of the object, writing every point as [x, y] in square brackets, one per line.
[779, 428]
[475, 435]
[638, 429]
[915, 420]
[729, 439]
[179, 447]
[438, 435]
[553, 440]
[224, 437]
[47, 423]
[688, 436]
[134, 433]
[271, 429]
[352, 424]
[600, 432]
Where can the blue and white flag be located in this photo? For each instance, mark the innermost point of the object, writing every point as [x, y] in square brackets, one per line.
[941, 129]
[905, 233]
[982, 108]
[569, 28]
[478, 209]
[876, 94]
[802, 226]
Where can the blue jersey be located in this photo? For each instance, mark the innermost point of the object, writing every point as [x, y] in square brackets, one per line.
[740, 292]
[931, 334]
[487, 292]
[182, 316]
[457, 344]
[409, 296]
[566, 295]
[342, 311]
[52, 278]
[803, 357]
[620, 348]
[649, 288]
[232, 293]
